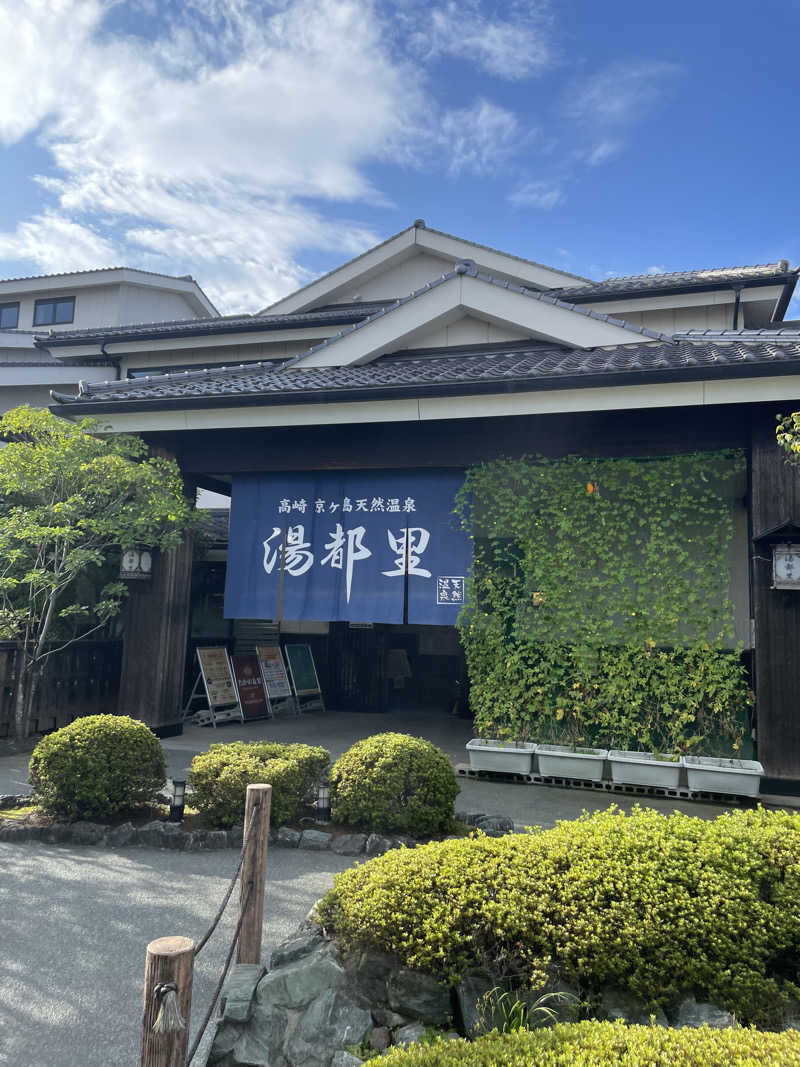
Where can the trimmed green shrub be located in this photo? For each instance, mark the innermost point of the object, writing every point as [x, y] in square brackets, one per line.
[394, 782]
[97, 766]
[660, 906]
[593, 1044]
[219, 778]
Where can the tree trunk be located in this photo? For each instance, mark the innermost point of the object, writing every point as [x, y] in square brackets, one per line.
[21, 705]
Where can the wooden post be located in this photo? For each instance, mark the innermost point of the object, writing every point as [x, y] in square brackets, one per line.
[254, 873]
[169, 959]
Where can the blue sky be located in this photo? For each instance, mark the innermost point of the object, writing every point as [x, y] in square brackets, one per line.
[255, 145]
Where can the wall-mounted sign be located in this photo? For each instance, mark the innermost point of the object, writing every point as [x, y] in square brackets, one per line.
[786, 566]
[136, 563]
[250, 686]
[358, 547]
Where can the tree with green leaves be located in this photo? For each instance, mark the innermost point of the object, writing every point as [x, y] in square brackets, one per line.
[787, 433]
[71, 499]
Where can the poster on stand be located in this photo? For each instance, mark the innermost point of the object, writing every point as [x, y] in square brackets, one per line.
[252, 695]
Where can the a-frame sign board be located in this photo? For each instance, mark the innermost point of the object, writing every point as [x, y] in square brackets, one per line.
[276, 682]
[216, 679]
[304, 678]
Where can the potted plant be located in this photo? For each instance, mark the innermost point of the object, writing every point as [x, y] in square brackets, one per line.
[565, 761]
[656, 769]
[716, 774]
[509, 757]
[575, 760]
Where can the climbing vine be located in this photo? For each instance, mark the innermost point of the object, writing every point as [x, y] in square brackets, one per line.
[600, 609]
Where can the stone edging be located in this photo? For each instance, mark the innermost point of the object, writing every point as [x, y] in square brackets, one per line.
[167, 835]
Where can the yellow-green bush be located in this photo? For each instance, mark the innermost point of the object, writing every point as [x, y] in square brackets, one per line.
[661, 906]
[592, 1044]
[394, 782]
[97, 766]
[219, 778]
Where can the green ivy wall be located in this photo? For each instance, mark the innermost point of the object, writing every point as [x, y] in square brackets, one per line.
[600, 596]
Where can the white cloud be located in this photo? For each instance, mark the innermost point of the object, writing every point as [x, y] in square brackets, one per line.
[538, 194]
[479, 138]
[620, 95]
[515, 46]
[55, 243]
[603, 151]
[201, 150]
[656, 270]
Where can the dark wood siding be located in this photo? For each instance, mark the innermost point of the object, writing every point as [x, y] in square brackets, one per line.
[775, 497]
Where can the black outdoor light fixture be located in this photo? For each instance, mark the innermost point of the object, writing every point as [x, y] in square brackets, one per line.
[178, 800]
[323, 802]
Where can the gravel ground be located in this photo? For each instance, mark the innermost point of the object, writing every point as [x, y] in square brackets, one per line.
[74, 925]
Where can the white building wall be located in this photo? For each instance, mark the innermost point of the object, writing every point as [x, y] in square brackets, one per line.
[399, 279]
[138, 303]
[204, 356]
[468, 330]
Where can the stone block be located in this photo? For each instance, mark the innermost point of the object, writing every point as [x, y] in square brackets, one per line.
[122, 835]
[296, 984]
[57, 833]
[476, 1014]
[691, 1014]
[295, 948]
[380, 1038]
[239, 990]
[420, 996]
[349, 844]
[159, 834]
[288, 837]
[236, 836]
[88, 833]
[474, 816]
[215, 839]
[617, 1004]
[495, 825]
[345, 1059]
[369, 973]
[315, 840]
[14, 832]
[409, 1034]
[386, 1017]
[376, 845]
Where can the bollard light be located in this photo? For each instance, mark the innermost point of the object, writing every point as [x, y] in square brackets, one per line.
[323, 803]
[178, 800]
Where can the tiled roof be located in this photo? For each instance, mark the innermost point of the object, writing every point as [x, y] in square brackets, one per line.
[468, 268]
[683, 279]
[332, 315]
[475, 368]
[98, 270]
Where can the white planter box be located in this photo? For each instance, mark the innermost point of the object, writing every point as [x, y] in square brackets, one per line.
[643, 768]
[558, 761]
[510, 758]
[739, 777]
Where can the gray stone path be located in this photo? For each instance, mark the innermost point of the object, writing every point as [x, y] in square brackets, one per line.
[74, 925]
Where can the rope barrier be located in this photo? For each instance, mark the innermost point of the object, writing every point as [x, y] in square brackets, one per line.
[223, 976]
[169, 1016]
[215, 922]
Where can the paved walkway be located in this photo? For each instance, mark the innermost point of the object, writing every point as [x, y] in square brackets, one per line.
[74, 925]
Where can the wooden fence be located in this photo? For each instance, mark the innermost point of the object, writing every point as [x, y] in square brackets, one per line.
[81, 680]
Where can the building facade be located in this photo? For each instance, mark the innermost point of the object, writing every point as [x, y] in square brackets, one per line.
[409, 364]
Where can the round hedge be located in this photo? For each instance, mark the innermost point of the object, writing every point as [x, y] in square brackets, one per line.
[593, 1044]
[658, 906]
[96, 767]
[394, 782]
[219, 778]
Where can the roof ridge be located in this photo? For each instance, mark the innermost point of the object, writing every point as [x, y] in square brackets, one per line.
[102, 270]
[469, 268]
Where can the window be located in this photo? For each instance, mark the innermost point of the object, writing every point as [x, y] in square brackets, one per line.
[53, 312]
[9, 316]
